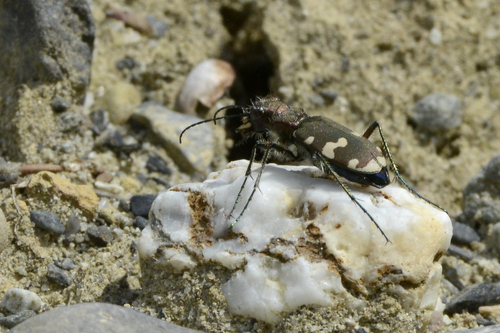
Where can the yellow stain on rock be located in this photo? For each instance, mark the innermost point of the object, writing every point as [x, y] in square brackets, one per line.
[80, 196]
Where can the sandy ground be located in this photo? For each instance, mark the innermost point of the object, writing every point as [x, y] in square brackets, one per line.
[378, 59]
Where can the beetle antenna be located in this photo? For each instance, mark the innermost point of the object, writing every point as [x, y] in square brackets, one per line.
[224, 108]
[214, 119]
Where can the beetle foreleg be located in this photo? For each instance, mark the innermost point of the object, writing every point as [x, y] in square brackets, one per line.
[269, 147]
[248, 173]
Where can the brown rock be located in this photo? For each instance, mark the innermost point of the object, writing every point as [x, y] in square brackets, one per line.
[80, 196]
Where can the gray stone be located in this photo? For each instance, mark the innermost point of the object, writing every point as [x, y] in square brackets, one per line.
[47, 221]
[97, 318]
[70, 121]
[141, 222]
[474, 296]
[60, 104]
[156, 164]
[73, 225]
[158, 27]
[141, 204]
[17, 318]
[482, 196]
[44, 43]
[67, 264]
[464, 234]
[58, 276]
[101, 235]
[100, 119]
[461, 253]
[438, 112]
[197, 149]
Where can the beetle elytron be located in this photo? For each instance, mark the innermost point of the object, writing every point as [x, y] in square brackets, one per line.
[289, 133]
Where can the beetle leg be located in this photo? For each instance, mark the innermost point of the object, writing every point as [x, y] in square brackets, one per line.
[269, 146]
[385, 146]
[248, 173]
[326, 166]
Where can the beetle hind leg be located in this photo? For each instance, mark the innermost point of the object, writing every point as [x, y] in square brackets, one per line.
[326, 166]
[385, 146]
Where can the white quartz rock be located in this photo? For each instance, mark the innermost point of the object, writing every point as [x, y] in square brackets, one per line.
[16, 300]
[299, 240]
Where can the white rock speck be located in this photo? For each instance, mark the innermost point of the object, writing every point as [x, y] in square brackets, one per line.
[16, 300]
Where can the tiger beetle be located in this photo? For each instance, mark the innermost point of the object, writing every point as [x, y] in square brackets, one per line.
[293, 136]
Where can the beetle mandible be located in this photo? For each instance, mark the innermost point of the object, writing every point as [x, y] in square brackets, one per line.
[291, 134]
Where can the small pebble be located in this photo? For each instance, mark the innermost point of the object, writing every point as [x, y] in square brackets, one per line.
[141, 204]
[101, 235]
[205, 84]
[490, 310]
[464, 234]
[73, 225]
[59, 104]
[120, 101]
[47, 221]
[474, 296]
[66, 264]
[141, 222]
[67, 147]
[107, 187]
[70, 121]
[317, 99]
[485, 322]
[438, 112]
[451, 273]
[15, 319]
[124, 205]
[156, 164]
[100, 121]
[59, 276]
[16, 300]
[329, 95]
[461, 253]
[492, 238]
[435, 36]
[158, 27]
[127, 63]
[104, 177]
[480, 208]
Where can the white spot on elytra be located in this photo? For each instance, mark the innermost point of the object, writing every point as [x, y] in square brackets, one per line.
[353, 163]
[371, 167]
[293, 149]
[382, 161]
[309, 140]
[329, 148]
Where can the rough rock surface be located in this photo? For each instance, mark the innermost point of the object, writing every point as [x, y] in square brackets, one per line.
[96, 318]
[301, 242]
[46, 51]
